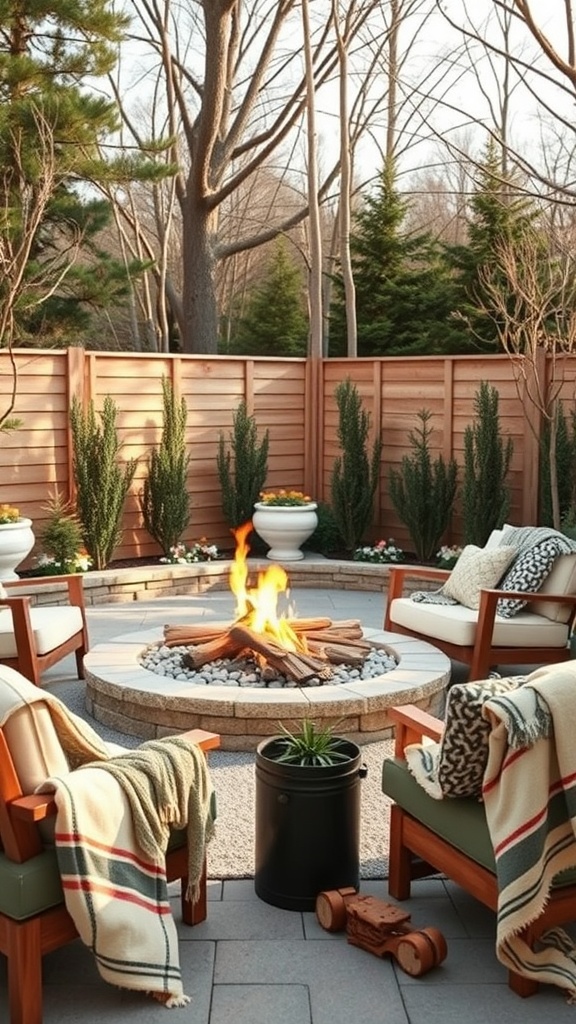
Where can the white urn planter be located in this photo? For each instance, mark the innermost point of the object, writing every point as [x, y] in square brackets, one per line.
[285, 528]
[16, 541]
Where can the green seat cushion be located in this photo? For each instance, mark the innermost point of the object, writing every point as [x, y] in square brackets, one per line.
[461, 821]
[29, 888]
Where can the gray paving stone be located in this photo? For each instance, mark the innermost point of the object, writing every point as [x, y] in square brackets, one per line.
[240, 919]
[260, 1004]
[251, 963]
[346, 984]
[468, 961]
[239, 889]
[477, 1004]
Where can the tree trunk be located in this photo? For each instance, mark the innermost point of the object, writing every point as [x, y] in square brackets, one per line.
[345, 190]
[315, 278]
[199, 321]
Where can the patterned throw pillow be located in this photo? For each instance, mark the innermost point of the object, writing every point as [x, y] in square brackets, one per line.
[528, 573]
[477, 568]
[455, 767]
[464, 745]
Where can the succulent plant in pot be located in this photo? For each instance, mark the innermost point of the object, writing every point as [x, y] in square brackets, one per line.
[311, 746]
[307, 815]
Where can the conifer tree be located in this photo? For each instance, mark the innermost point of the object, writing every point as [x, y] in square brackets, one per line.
[242, 467]
[275, 323]
[102, 483]
[485, 496]
[52, 127]
[165, 498]
[356, 472]
[405, 292]
[565, 466]
[498, 215]
[423, 490]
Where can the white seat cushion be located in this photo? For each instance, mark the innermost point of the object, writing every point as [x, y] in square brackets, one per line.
[52, 627]
[457, 624]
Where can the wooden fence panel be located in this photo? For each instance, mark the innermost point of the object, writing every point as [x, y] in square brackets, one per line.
[294, 399]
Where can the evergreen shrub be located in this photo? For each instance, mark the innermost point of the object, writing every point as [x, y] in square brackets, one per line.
[485, 497]
[355, 474]
[165, 500]
[102, 484]
[423, 491]
[242, 468]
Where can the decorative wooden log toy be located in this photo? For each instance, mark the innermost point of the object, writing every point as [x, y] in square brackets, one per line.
[381, 928]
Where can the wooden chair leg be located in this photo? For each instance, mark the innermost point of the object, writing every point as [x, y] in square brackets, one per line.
[80, 652]
[25, 972]
[193, 912]
[523, 987]
[399, 871]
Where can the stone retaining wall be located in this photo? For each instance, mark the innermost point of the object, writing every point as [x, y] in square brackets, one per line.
[147, 582]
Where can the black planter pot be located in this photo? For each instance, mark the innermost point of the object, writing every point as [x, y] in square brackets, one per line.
[307, 827]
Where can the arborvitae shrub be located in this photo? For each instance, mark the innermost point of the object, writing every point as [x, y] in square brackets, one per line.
[242, 468]
[102, 484]
[356, 472]
[485, 497]
[165, 499]
[423, 491]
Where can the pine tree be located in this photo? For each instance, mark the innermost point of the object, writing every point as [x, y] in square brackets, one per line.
[275, 323]
[51, 131]
[497, 215]
[405, 292]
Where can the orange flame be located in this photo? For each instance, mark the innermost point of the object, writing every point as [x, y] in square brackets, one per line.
[257, 607]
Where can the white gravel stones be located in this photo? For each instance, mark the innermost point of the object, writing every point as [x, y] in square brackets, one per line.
[167, 661]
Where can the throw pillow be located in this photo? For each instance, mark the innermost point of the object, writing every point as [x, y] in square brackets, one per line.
[528, 574]
[477, 568]
[455, 766]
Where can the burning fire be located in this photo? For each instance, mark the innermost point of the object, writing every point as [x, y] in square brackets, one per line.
[257, 607]
[301, 649]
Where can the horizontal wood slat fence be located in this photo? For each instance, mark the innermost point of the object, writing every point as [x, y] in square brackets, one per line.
[292, 398]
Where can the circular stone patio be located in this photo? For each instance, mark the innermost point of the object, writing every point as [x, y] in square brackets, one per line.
[124, 696]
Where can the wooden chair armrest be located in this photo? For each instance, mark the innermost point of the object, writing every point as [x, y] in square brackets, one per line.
[412, 724]
[533, 595]
[398, 576]
[205, 740]
[33, 808]
[399, 573]
[489, 601]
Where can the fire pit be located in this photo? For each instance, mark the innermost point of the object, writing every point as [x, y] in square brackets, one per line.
[124, 695]
[274, 646]
[301, 649]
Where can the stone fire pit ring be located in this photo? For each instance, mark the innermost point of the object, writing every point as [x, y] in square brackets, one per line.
[122, 695]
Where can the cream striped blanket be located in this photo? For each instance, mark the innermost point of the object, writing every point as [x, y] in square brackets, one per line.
[112, 828]
[529, 793]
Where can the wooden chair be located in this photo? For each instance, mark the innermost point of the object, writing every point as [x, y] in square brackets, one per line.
[33, 918]
[451, 836]
[538, 635]
[34, 635]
